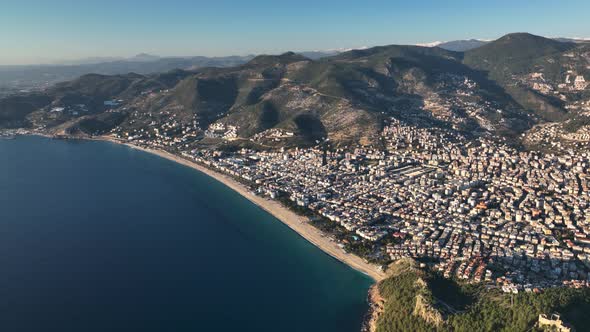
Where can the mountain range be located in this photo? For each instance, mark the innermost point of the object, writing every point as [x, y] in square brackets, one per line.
[489, 90]
[469, 44]
[30, 77]
[35, 77]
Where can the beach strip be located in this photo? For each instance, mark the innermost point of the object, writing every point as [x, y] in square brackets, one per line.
[296, 222]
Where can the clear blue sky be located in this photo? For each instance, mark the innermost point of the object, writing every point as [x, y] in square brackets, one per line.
[33, 31]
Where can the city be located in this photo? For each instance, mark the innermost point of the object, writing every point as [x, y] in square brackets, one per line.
[480, 211]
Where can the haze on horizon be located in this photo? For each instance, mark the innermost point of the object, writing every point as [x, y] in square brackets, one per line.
[38, 31]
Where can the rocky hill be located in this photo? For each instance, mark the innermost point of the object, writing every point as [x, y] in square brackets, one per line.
[548, 79]
[418, 299]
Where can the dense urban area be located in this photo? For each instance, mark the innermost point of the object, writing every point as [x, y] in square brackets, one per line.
[478, 211]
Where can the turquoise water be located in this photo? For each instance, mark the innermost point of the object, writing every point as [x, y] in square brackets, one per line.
[100, 237]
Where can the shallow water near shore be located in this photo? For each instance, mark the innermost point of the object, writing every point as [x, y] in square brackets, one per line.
[96, 236]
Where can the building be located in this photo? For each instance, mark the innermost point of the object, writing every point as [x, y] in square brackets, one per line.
[554, 323]
[580, 83]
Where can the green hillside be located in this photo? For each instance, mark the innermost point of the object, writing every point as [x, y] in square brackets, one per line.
[519, 54]
[418, 300]
[513, 53]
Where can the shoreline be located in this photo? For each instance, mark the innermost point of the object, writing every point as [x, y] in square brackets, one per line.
[376, 309]
[292, 220]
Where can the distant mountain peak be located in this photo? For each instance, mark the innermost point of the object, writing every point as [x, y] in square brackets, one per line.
[431, 44]
[287, 57]
[518, 37]
[456, 45]
[524, 44]
[576, 40]
[144, 57]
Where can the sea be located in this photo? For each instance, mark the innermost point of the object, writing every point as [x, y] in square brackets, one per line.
[96, 236]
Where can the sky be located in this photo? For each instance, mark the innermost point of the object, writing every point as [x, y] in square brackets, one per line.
[42, 31]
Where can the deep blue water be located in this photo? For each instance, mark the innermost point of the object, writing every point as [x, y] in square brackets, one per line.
[100, 237]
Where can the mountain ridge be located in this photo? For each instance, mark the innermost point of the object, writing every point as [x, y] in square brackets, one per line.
[344, 98]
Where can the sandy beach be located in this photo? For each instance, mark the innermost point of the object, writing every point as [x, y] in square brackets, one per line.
[296, 222]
